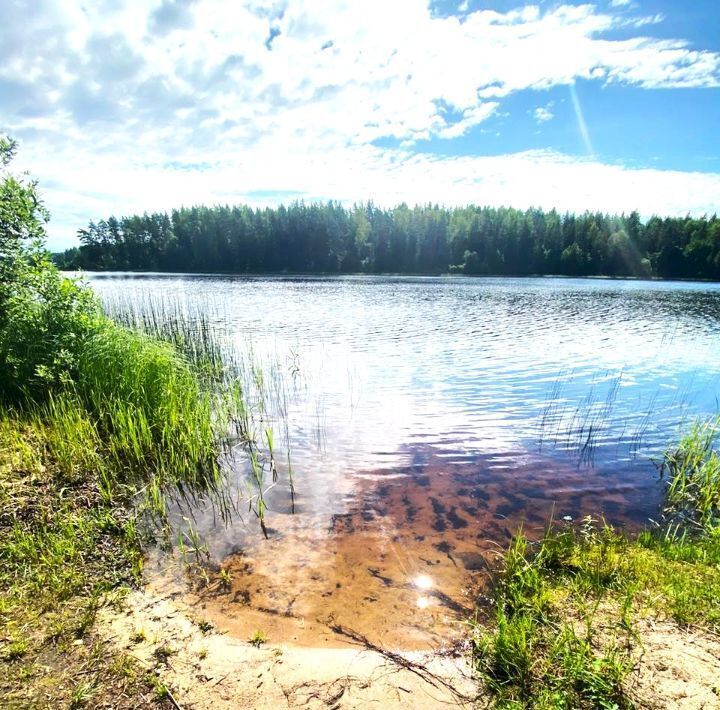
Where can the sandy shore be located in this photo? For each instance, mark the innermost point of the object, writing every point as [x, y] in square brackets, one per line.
[676, 667]
[214, 670]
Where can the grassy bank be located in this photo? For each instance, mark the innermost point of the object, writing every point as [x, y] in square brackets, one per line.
[91, 441]
[63, 549]
[86, 450]
[98, 421]
[564, 627]
[93, 445]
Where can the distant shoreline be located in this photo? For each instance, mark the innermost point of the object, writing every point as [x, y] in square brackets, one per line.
[341, 276]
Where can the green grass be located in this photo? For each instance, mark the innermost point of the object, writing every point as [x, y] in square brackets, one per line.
[102, 432]
[186, 326]
[693, 470]
[246, 398]
[536, 654]
[151, 407]
[135, 421]
[546, 643]
[63, 549]
[128, 419]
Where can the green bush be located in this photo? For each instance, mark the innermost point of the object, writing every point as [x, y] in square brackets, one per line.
[44, 325]
[44, 317]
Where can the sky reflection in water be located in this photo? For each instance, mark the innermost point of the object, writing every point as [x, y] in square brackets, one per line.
[432, 415]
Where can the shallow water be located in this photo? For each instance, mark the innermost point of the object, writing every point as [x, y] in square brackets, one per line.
[426, 418]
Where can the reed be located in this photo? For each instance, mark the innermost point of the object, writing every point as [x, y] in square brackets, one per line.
[185, 325]
[151, 407]
[248, 398]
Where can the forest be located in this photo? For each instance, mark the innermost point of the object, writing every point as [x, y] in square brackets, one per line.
[430, 239]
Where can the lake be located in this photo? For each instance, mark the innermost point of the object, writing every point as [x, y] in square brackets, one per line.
[425, 420]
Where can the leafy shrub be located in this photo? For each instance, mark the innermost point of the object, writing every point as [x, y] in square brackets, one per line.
[44, 317]
[44, 324]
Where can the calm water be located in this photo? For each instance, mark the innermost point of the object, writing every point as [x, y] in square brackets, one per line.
[427, 417]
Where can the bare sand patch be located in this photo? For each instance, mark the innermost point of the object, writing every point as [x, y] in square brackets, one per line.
[677, 668]
[215, 670]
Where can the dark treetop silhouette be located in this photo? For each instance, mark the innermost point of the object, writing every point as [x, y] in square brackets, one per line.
[330, 238]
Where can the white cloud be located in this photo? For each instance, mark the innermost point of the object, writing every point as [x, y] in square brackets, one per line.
[471, 117]
[543, 114]
[137, 105]
[620, 3]
[646, 20]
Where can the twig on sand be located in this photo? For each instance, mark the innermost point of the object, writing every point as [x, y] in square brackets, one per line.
[171, 698]
[417, 668]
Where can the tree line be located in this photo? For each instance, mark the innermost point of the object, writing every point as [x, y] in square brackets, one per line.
[429, 239]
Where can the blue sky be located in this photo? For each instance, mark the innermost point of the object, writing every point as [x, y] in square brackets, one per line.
[133, 106]
[660, 128]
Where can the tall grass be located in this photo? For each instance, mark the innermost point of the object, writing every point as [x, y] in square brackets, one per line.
[124, 421]
[151, 405]
[545, 648]
[140, 413]
[249, 400]
[147, 393]
[186, 325]
[693, 471]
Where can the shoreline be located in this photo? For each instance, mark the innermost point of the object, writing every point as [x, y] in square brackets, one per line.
[208, 668]
[145, 649]
[213, 669]
[386, 275]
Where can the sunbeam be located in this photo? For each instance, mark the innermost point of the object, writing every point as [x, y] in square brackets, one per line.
[582, 126]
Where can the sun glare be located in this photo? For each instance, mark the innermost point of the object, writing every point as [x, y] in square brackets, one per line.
[422, 581]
